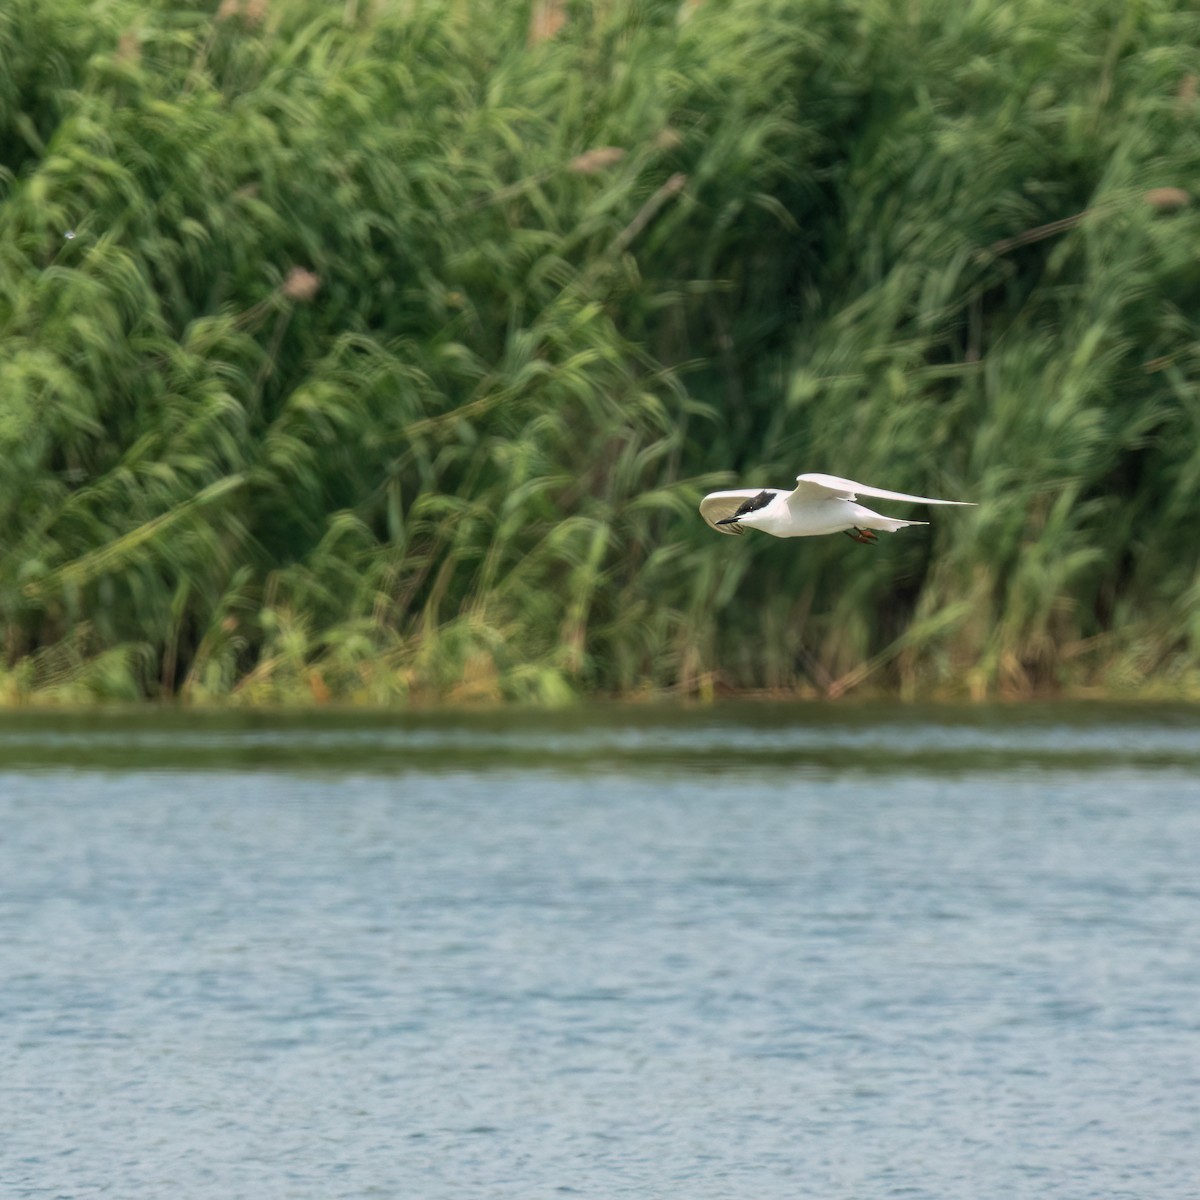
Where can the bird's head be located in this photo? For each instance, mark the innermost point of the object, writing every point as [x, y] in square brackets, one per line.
[749, 511]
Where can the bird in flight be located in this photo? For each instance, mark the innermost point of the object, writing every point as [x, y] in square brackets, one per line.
[818, 504]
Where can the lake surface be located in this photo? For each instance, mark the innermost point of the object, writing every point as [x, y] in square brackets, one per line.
[753, 952]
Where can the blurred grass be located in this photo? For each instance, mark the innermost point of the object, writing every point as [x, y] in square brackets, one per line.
[381, 350]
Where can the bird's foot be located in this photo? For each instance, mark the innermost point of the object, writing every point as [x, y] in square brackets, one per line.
[865, 536]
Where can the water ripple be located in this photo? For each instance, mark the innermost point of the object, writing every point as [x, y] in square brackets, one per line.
[587, 971]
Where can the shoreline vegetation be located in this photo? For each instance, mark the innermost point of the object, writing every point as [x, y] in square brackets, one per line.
[379, 352]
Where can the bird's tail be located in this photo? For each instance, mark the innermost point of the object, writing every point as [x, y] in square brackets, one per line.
[887, 524]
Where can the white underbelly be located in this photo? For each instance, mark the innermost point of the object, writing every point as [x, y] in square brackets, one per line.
[817, 517]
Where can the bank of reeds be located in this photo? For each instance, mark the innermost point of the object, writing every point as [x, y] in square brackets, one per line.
[381, 350]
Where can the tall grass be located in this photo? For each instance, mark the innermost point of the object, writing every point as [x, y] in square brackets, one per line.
[380, 350]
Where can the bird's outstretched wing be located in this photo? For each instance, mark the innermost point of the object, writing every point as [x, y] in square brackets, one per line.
[818, 487]
[716, 506]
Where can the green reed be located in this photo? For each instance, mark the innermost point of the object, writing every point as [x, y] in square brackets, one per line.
[381, 351]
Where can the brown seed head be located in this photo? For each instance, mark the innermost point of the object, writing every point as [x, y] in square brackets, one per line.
[592, 161]
[129, 48]
[1166, 199]
[301, 285]
[547, 18]
[254, 12]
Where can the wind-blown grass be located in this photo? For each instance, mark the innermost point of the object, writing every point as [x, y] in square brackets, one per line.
[382, 351]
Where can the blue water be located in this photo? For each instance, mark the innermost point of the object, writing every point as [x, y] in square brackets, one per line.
[754, 953]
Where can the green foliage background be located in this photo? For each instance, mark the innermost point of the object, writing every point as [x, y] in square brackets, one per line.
[570, 278]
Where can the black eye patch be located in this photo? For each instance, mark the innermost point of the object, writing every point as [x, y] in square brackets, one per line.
[755, 503]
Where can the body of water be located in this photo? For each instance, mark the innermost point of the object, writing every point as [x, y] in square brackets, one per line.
[754, 952]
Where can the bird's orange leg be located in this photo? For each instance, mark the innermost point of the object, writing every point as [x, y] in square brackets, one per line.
[865, 536]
